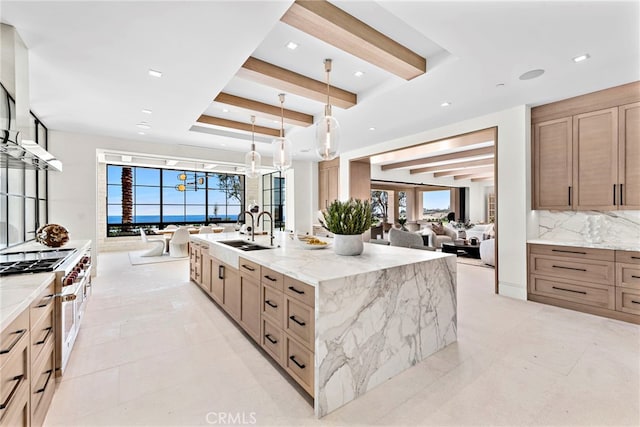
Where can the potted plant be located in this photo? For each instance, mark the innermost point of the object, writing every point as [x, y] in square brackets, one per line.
[347, 221]
[402, 221]
[461, 227]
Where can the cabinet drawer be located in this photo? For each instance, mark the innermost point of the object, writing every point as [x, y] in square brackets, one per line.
[42, 333]
[589, 294]
[592, 271]
[628, 275]
[42, 387]
[299, 364]
[272, 278]
[249, 269]
[14, 338]
[17, 411]
[628, 257]
[14, 376]
[628, 300]
[573, 252]
[300, 291]
[42, 304]
[272, 340]
[299, 321]
[272, 304]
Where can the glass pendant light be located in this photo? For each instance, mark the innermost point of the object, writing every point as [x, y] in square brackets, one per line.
[281, 146]
[328, 128]
[253, 159]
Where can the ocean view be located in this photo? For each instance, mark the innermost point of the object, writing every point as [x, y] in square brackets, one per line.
[146, 219]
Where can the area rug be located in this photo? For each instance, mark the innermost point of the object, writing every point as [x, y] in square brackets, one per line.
[472, 261]
[136, 258]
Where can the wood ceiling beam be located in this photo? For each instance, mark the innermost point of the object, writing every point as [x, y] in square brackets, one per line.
[287, 81]
[336, 27]
[441, 158]
[474, 175]
[232, 124]
[265, 110]
[489, 178]
[464, 171]
[454, 166]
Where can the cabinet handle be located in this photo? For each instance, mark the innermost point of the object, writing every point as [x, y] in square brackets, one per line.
[270, 304]
[248, 267]
[635, 277]
[73, 297]
[569, 290]
[271, 339]
[298, 364]
[44, 387]
[270, 278]
[43, 305]
[568, 252]
[569, 195]
[635, 302]
[20, 333]
[7, 402]
[614, 194]
[621, 203]
[569, 268]
[221, 272]
[635, 257]
[297, 321]
[296, 290]
[46, 336]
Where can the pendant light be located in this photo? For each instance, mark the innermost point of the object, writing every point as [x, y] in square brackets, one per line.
[328, 128]
[253, 159]
[281, 146]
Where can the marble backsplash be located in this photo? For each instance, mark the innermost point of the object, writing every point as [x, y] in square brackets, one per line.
[613, 227]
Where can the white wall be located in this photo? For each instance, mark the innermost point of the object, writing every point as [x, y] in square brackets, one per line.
[513, 184]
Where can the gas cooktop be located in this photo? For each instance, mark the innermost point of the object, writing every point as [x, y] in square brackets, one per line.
[32, 261]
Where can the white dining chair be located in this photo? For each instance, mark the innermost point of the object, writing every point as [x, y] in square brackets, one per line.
[179, 243]
[205, 229]
[157, 248]
[171, 227]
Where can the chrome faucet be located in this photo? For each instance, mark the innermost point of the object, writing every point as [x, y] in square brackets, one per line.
[253, 238]
[271, 221]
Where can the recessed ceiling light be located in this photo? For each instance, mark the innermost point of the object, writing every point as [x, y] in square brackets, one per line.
[372, 128]
[225, 110]
[141, 133]
[127, 159]
[500, 85]
[155, 73]
[292, 45]
[171, 162]
[359, 73]
[445, 104]
[305, 150]
[146, 111]
[581, 58]
[532, 74]
[143, 125]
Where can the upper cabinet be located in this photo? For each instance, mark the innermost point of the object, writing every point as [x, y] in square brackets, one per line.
[328, 182]
[586, 152]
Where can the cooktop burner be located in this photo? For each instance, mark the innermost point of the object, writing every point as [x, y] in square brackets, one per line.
[32, 261]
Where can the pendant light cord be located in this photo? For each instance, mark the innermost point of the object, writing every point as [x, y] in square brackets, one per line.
[253, 143]
[327, 68]
[281, 115]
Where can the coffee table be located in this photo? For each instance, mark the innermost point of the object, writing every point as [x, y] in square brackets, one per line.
[453, 248]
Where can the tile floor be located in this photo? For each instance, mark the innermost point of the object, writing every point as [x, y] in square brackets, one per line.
[153, 350]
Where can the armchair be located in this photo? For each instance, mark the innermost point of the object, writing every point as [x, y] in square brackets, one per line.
[407, 239]
[157, 248]
[179, 243]
[436, 240]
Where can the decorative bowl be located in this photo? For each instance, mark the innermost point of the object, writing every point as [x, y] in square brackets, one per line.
[52, 235]
[311, 242]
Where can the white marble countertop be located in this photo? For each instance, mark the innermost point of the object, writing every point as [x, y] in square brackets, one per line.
[582, 244]
[315, 266]
[35, 246]
[17, 292]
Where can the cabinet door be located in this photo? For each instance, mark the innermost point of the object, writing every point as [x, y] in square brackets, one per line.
[629, 156]
[334, 184]
[206, 261]
[323, 188]
[218, 271]
[250, 307]
[232, 294]
[595, 160]
[552, 151]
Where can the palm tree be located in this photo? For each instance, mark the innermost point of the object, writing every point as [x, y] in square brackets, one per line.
[127, 198]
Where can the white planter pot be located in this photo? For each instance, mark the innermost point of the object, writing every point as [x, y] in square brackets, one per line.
[344, 244]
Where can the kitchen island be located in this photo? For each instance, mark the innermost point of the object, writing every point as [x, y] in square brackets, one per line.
[370, 316]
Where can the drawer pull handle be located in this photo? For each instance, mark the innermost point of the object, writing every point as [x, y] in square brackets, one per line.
[569, 290]
[44, 304]
[46, 336]
[271, 339]
[221, 272]
[296, 290]
[270, 304]
[635, 257]
[297, 321]
[635, 302]
[19, 334]
[568, 252]
[298, 364]
[248, 267]
[635, 277]
[270, 278]
[46, 383]
[569, 268]
[7, 402]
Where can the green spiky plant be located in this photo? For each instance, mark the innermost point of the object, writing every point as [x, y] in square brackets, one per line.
[348, 218]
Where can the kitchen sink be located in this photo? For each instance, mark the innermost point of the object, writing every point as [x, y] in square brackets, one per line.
[243, 245]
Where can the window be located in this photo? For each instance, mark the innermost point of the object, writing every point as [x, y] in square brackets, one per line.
[402, 203]
[151, 197]
[436, 204]
[273, 197]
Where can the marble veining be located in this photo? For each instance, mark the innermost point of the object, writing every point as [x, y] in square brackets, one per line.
[612, 230]
[18, 291]
[370, 327]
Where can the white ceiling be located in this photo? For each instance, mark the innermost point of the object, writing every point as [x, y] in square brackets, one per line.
[89, 63]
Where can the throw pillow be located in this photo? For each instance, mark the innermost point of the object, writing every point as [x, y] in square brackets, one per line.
[438, 229]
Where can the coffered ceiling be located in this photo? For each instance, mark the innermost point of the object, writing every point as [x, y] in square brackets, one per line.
[89, 63]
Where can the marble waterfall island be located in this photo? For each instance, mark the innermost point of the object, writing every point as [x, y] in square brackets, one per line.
[376, 314]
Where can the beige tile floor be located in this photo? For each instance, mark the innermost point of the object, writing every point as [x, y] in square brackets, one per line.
[153, 350]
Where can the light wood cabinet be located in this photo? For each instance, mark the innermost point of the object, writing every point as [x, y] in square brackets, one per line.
[206, 265]
[328, 182]
[250, 307]
[629, 156]
[218, 270]
[14, 372]
[232, 293]
[553, 158]
[195, 270]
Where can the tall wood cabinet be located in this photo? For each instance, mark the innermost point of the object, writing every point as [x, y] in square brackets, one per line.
[328, 182]
[586, 152]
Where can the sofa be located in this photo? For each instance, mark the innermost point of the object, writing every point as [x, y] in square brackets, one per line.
[434, 240]
[408, 239]
[488, 252]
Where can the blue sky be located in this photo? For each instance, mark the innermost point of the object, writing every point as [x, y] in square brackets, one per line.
[436, 199]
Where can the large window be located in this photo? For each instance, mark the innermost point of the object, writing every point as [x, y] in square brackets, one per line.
[436, 204]
[153, 197]
[273, 197]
